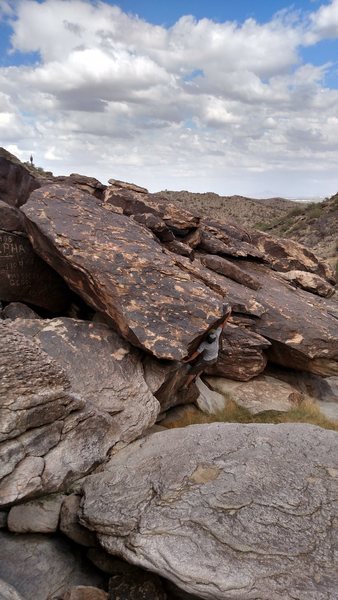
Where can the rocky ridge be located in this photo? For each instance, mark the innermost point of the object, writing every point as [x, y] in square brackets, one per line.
[128, 285]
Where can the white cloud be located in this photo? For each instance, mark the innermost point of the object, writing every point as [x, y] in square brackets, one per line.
[201, 105]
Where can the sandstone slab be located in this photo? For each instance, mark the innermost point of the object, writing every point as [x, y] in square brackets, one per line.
[119, 268]
[203, 507]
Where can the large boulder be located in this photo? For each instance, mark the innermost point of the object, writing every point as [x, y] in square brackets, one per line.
[119, 268]
[104, 369]
[42, 567]
[225, 510]
[24, 277]
[11, 219]
[49, 436]
[16, 181]
[260, 394]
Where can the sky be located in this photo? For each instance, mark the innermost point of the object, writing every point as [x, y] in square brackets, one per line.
[229, 97]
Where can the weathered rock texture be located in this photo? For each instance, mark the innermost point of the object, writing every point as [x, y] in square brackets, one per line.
[102, 368]
[118, 267]
[49, 437]
[24, 277]
[8, 592]
[11, 219]
[42, 567]
[16, 182]
[81, 592]
[225, 511]
[38, 516]
[131, 258]
[260, 394]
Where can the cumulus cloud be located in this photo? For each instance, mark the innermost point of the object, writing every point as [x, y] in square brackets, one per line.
[203, 105]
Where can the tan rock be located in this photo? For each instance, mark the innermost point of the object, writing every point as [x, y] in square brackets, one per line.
[260, 394]
[38, 516]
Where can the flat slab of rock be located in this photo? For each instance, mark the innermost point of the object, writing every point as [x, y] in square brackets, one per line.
[120, 269]
[260, 394]
[203, 507]
[24, 277]
[42, 567]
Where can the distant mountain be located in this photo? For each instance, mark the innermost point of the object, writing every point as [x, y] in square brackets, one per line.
[314, 225]
[249, 212]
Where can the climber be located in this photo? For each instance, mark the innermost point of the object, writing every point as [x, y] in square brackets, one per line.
[207, 351]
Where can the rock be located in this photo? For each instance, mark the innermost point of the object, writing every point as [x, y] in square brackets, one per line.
[180, 221]
[3, 519]
[117, 184]
[34, 389]
[38, 516]
[102, 368]
[24, 277]
[310, 282]
[82, 592]
[329, 409]
[241, 356]
[286, 255]
[90, 185]
[299, 325]
[42, 567]
[8, 592]
[156, 225]
[319, 388]
[209, 401]
[16, 181]
[69, 524]
[260, 394]
[11, 219]
[136, 585]
[118, 268]
[50, 439]
[17, 310]
[203, 507]
[229, 269]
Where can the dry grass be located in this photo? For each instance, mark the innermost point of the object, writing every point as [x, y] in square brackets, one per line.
[306, 412]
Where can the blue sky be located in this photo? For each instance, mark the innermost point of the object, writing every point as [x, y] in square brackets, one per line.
[241, 98]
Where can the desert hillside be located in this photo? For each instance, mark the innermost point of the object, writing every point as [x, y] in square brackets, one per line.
[249, 212]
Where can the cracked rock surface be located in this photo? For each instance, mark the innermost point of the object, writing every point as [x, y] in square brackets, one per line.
[225, 511]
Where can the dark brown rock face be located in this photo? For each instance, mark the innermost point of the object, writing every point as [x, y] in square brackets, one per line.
[132, 203]
[91, 185]
[24, 277]
[11, 218]
[241, 355]
[16, 182]
[119, 268]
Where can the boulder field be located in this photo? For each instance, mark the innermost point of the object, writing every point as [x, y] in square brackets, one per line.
[104, 290]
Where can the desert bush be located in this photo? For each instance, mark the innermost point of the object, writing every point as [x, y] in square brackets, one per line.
[307, 412]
